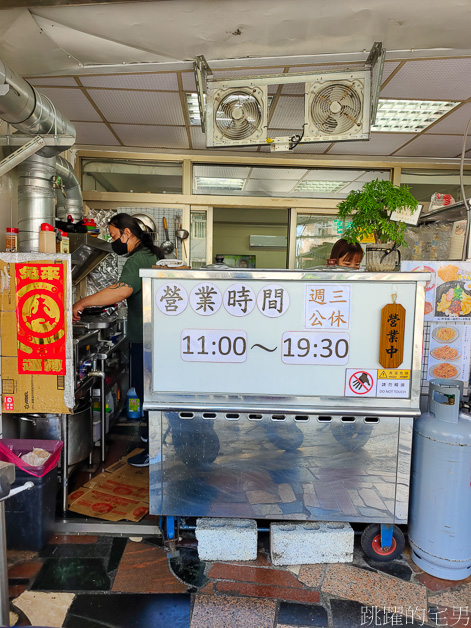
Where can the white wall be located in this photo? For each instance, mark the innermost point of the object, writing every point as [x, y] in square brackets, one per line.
[233, 227]
[8, 201]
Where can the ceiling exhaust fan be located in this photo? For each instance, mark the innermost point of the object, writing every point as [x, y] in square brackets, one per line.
[339, 105]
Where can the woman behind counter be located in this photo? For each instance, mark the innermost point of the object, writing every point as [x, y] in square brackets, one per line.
[346, 254]
[128, 239]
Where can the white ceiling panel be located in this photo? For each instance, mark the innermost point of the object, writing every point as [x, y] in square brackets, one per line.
[439, 79]
[24, 47]
[139, 107]
[166, 81]
[355, 185]
[94, 133]
[54, 81]
[289, 113]
[292, 174]
[272, 187]
[388, 69]
[152, 136]
[293, 88]
[198, 138]
[336, 174]
[223, 172]
[72, 103]
[454, 123]
[188, 82]
[371, 175]
[88, 48]
[378, 144]
[434, 146]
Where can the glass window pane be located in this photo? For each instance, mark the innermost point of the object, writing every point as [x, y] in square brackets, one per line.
[131, 175]
[198, 238]
[424, 183]
[315, 236]
[286, 182]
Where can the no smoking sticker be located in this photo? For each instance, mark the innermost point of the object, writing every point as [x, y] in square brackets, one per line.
[360, 383]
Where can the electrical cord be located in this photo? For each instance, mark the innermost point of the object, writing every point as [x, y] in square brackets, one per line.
[295, 139]
[465, 252]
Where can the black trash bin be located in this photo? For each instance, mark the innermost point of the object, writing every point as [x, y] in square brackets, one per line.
[30, 514]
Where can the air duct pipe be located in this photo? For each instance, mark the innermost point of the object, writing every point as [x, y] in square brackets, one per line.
[32, 113]
[72, 203]
[35, 199]
[22, 106]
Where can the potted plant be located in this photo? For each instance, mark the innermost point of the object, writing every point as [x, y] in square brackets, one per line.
[370, 209]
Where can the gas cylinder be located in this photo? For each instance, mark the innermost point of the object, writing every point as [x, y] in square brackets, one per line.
[440, 504]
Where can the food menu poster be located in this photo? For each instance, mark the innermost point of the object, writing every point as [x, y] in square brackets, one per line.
[448, 293]
[448, 352]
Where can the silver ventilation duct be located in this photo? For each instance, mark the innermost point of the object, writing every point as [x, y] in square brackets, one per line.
[32, 113]
[22, 106]
[72, 203]
[35, 199]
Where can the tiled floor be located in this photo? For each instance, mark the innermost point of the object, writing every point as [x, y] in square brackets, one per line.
[97, 582]
[115, 582]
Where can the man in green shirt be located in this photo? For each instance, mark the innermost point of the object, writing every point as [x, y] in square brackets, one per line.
[128, 239]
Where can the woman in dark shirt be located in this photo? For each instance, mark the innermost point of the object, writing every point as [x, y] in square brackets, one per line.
[128, 239]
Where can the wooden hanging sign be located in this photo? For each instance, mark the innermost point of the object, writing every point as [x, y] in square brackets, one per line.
[391, 346]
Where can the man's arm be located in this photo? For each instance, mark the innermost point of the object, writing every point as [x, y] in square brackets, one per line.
[108, 296]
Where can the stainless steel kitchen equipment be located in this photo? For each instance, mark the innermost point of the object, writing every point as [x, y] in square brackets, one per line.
[264, 384]
[48, 427]
[182, 235]
[105, 360]
[86, 253]
[167, 245]
[147, 223]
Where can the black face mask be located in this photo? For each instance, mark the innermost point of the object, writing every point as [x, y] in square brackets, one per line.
[119, 247]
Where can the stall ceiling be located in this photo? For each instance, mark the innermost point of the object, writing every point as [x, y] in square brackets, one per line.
[121, 72]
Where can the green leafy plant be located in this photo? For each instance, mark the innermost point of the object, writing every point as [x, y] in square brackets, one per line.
[370, 208]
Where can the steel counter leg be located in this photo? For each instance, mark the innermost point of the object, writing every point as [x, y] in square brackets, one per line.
[65, 460]
[4, 603]
[103, 413]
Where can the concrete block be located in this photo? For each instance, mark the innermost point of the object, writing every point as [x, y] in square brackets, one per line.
[226, 539]
[311, 542]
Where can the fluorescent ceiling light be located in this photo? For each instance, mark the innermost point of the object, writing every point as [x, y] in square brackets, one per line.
[409, 116]
[320, 186]
[194, 110]
[219, 183]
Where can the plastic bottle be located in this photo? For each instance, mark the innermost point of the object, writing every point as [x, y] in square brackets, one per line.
[47, 239]
[11, 240]
[63, 243]
[133, 404]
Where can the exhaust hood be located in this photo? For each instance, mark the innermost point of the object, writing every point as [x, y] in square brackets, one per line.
[86, 252]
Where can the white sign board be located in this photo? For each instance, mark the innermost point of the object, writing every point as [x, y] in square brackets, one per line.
[247, 335]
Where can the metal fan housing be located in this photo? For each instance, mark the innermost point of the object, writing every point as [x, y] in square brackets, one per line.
[337, 107]
[237, 116]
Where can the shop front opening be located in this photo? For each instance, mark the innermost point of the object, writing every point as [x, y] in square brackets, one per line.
[251, 238]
